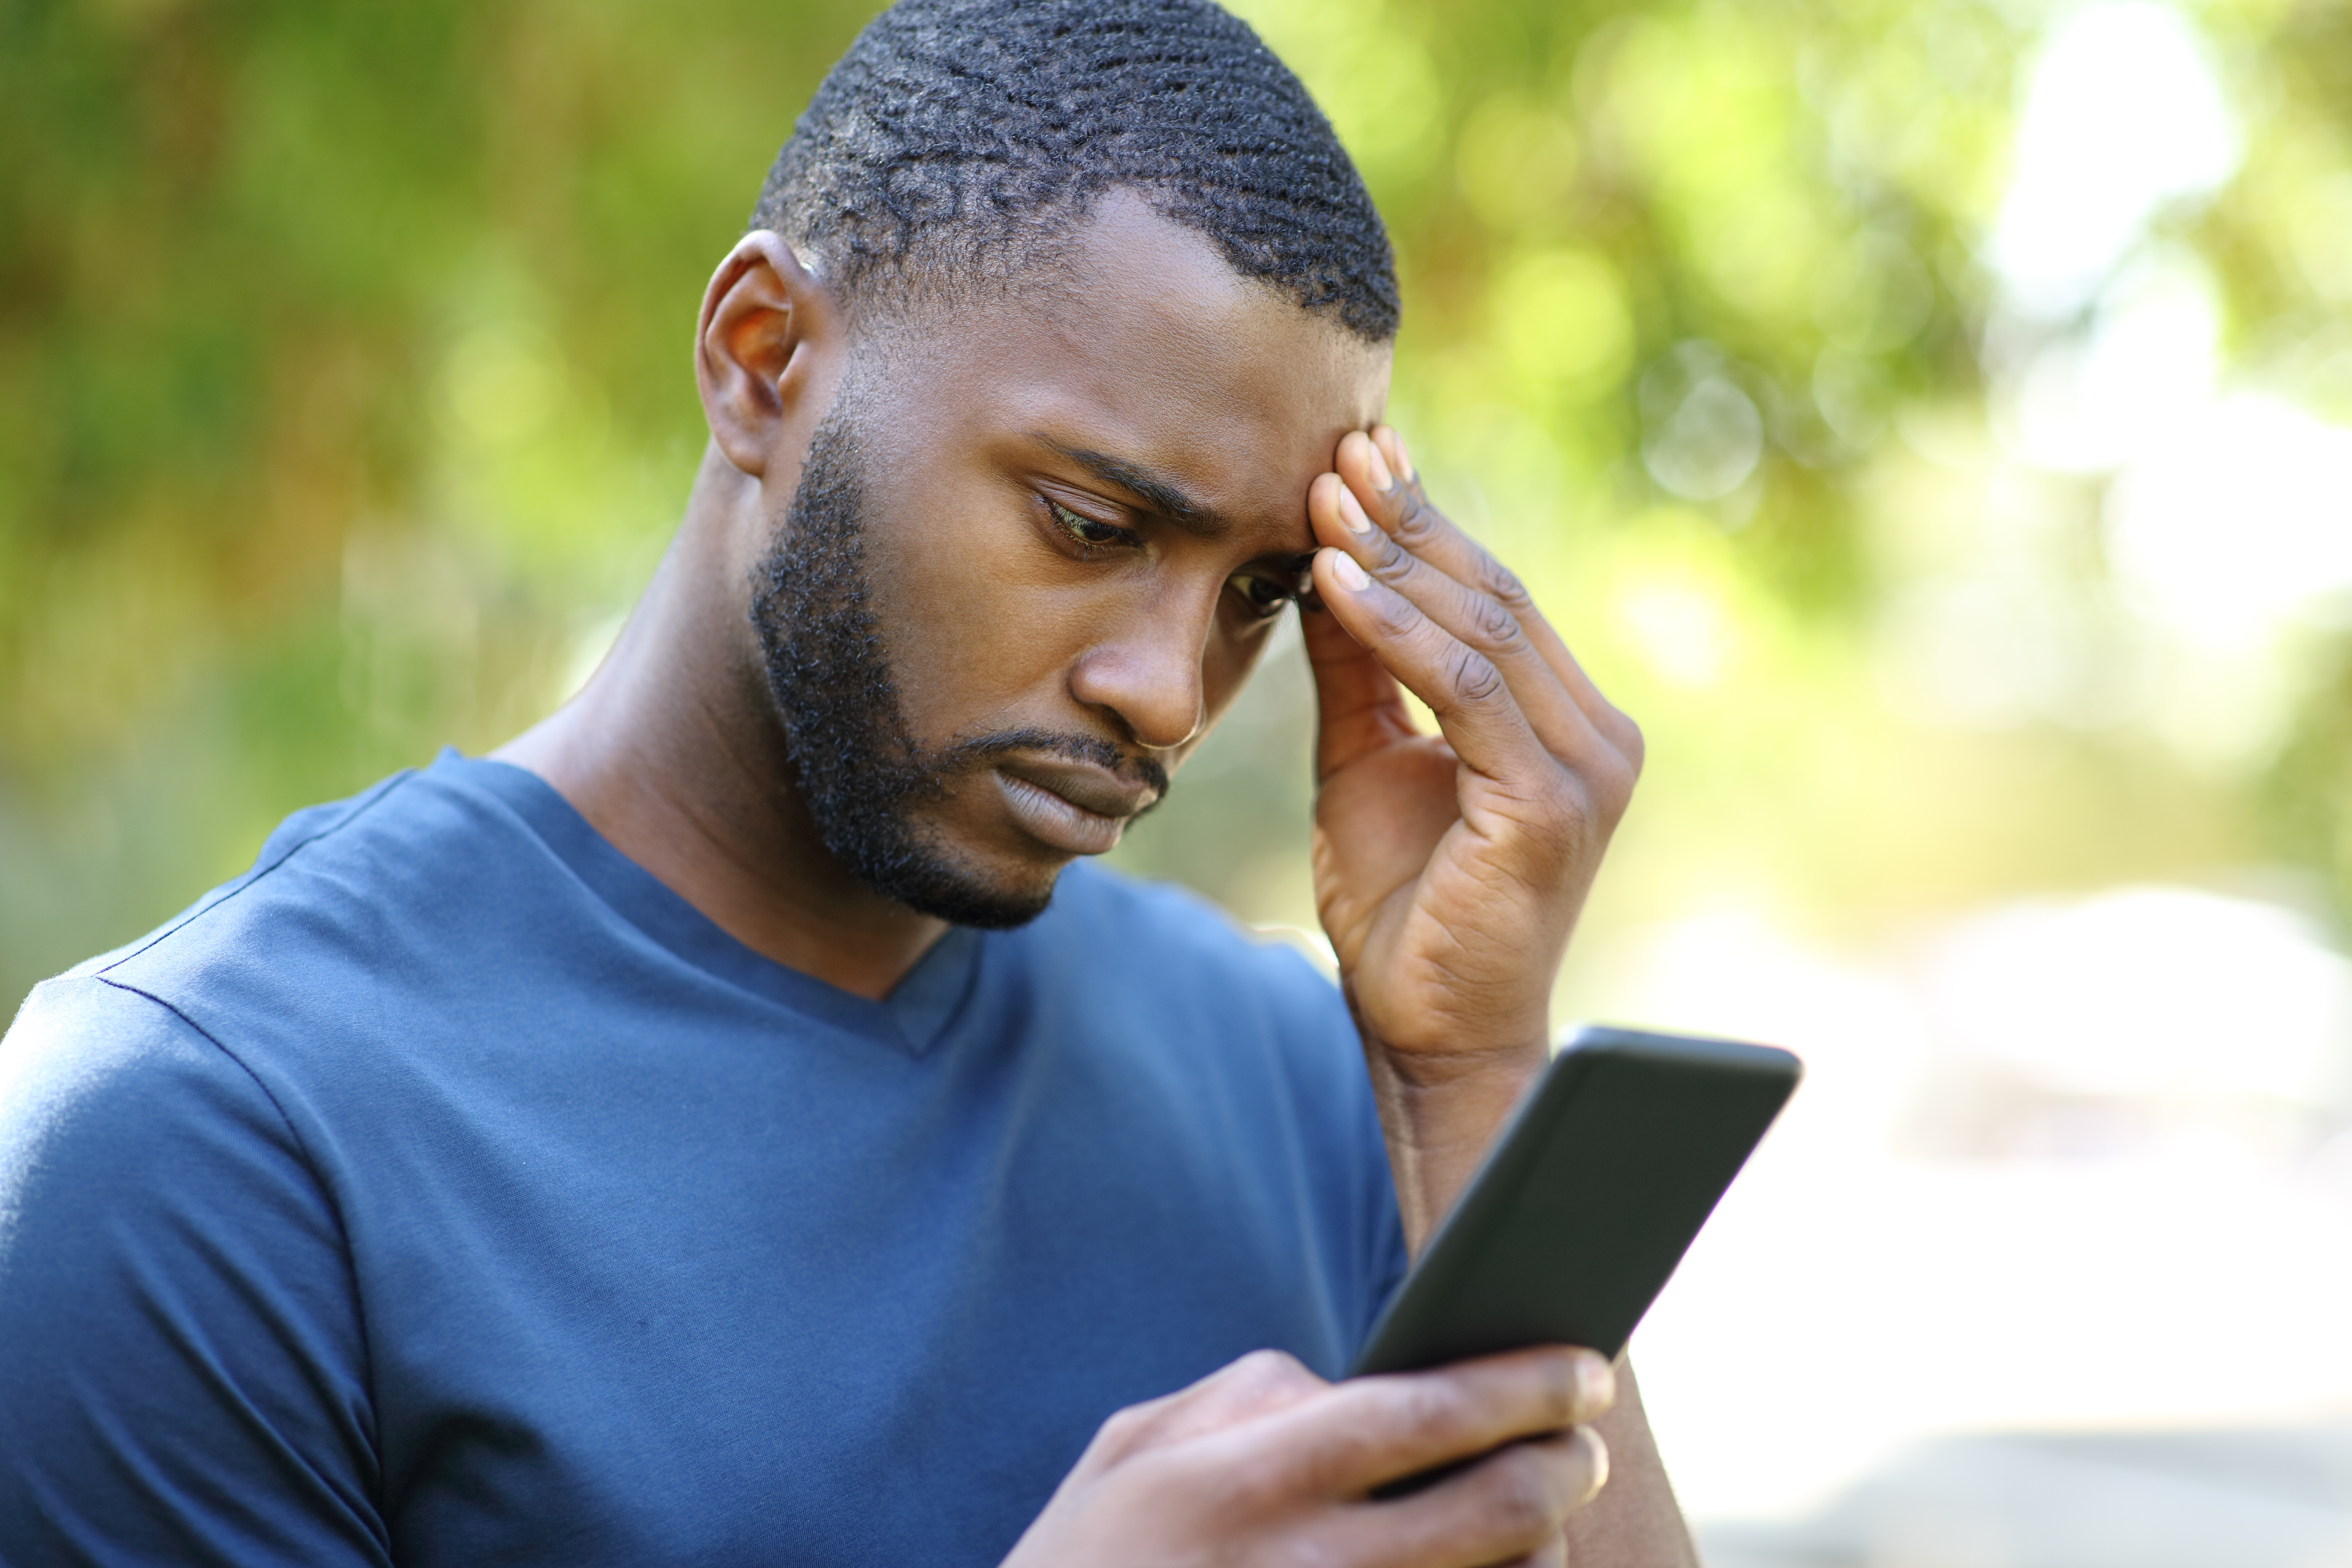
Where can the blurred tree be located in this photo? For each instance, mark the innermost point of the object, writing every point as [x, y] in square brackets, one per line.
[344, 392]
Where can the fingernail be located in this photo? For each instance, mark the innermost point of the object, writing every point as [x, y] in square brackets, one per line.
[1405, 463]
[1596, 1384]
[1598, 1451]
[1351, 577]
[1381, 479]
[1351, 513]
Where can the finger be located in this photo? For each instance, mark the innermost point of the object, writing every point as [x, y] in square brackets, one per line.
[1373, 1430]
[1509, 1506]
[1391, 447]
[1553, 1554]
[1462, 688]
[1259, 1382]
[1401, 506]
[1403, 509]
[1258, 1385]
[1475, 619]
[1359, 707]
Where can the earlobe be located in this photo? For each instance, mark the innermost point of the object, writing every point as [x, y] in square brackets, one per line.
[767, 325]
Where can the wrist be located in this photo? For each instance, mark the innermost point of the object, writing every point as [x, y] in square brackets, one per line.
[1437, 1071]
[1451, 1102]
[1440, 1110]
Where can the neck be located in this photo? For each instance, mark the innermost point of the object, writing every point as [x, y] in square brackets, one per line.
[674, 752]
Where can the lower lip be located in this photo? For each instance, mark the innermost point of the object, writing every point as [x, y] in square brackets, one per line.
[1052, 820]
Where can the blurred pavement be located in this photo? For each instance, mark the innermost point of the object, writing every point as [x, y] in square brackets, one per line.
[2245, 1499]
[2049, 1264]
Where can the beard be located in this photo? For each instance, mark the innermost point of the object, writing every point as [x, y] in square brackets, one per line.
[863, 775]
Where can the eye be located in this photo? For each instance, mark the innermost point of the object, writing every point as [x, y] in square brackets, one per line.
[1088, 533]
[1265, 592]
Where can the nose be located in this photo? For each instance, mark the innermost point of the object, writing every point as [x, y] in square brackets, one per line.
[1148, 673]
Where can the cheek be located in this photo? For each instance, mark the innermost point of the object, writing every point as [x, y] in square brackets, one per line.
[977, 639]
[1227, 662]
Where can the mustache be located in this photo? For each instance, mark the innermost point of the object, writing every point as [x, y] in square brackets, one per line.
[985, 748]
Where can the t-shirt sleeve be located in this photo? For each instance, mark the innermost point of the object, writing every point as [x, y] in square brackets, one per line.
[182, 1370]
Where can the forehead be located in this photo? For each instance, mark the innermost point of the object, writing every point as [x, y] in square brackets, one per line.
[1142, 342]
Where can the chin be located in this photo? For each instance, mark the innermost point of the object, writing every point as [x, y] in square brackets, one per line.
[992, 892]
[990, 906]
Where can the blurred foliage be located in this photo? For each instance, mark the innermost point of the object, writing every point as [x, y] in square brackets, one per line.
[345, 390]
[344, 404]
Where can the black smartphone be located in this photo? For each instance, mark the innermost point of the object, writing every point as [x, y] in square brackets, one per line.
[1587, 1201]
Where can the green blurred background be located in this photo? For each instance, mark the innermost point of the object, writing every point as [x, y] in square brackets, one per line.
[1932, 420]
[344, 404]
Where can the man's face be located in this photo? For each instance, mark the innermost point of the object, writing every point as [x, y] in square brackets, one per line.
[1034, 549]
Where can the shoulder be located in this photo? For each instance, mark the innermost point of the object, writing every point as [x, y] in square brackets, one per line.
[80, 1035]
[109, 1097]
[369, 943]
[165, 1247]
[350, 893]
[283, 859]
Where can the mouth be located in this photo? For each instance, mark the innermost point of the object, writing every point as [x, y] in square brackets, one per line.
[1078, 808]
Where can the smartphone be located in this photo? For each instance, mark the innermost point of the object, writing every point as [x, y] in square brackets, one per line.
[1587, 1201]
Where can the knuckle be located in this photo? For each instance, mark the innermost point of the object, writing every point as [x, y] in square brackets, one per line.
[1613, 794]
[1528, 1498]
[1278, 1373]
[1492, 624]
[1124, 1429]
[1472, 676]
[1393, 615]
[1278, 1367]
[1429, 1408]
[1631, 745]
[1418, 522]
[1395, 564]
[1503, 584]
[1603, 789]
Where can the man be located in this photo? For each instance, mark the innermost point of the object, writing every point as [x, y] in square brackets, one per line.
[725, 1126]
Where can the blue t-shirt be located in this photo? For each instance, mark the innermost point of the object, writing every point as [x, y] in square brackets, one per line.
[446, 1190]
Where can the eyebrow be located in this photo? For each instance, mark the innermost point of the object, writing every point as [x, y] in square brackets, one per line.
[1162, 495]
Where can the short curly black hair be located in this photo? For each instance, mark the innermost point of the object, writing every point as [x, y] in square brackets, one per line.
[958, 140]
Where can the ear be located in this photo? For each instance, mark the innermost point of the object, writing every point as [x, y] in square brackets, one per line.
[768, 342]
